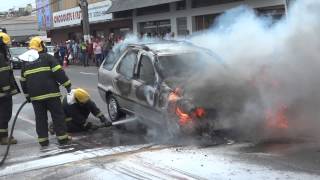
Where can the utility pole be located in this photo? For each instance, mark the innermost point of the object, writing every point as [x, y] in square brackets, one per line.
[85, 20]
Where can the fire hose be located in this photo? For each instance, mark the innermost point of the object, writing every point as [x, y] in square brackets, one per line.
[11, 132]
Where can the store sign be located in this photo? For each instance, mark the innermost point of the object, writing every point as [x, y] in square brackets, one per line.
[97, 12]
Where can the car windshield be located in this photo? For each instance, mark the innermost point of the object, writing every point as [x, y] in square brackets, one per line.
[180, 65]
[17, 51]
[50, 48]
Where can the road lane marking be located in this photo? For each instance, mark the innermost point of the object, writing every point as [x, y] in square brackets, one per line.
[26, 120]
[85, 73]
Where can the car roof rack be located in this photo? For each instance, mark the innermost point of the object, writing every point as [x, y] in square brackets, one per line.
[142, 46]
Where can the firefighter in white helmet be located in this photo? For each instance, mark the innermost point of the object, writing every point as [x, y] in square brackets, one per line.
[77, 106]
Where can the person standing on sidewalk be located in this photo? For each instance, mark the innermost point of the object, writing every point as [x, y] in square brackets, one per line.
[41, 76]
[89, 46]
[83, 53]
[97, 50]
[8, 88]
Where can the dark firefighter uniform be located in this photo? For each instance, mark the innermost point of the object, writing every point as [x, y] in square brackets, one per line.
[40, 80]
[78, 112]
[8, 88]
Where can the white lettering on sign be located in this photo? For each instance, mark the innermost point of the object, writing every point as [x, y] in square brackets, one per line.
[97, 12]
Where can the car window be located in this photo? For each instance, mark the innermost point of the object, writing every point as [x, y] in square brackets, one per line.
[110, 60]
[146, 71]
[127, 64]
[17, 51]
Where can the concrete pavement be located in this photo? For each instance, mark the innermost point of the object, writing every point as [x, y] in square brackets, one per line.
[114, 154]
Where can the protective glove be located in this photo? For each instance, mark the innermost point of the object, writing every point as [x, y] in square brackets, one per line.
[68, 89]
[28, 99]
[107, 123]
[103, 119]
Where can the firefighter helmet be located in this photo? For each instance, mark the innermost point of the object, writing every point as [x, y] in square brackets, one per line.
[36, 43]
[5, 38]
[81, 95]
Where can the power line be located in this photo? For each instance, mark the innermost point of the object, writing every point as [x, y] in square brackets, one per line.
[37, 9]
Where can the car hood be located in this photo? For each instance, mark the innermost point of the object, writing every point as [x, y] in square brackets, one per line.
[221, 93]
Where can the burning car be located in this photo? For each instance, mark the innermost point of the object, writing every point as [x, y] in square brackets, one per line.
[176, 84]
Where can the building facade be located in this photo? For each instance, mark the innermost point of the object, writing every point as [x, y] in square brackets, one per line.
[181, 17]
[22, 28]
[66, 20]
[187, 16]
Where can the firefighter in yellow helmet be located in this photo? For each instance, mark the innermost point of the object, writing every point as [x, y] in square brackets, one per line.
[8, 88]
[41, 76]
[77, 106]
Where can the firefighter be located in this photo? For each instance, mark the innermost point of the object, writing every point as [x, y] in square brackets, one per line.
[8, 88]
[77, 107]
[41, 76]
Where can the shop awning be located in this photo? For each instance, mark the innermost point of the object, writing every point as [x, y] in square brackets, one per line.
[123, 5]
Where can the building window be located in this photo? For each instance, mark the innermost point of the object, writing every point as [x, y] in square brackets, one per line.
[205, 21]
[276, 12]
[155, 28]
[182, 26]
[204, 3]
[122, 14]
[153, 9]
[181, 5]
[60, 5]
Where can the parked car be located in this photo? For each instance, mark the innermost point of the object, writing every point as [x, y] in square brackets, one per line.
[15, 52]
[50, 50]
[165, 83]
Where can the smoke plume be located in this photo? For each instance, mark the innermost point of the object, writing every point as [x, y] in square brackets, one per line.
[281, 58]
[271, 65]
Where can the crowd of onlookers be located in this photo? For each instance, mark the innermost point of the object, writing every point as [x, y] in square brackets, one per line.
[84, 52]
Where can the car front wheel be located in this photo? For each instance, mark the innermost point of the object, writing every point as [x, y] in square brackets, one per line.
[113, 109]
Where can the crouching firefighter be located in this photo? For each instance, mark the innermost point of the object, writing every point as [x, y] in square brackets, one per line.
[41, 76]
[77, 107]
[8, 88]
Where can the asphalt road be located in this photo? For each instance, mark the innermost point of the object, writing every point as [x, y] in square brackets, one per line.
[111, 153]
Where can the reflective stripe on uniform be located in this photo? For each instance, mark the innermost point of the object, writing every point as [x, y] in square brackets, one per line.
[14, 92]
[2, 95]
[5, 88]
[46, 96]
[63, 137]
[6, 68]
[37, 70]
[3, 130]
[67, 83]
[40, 140]
[99, 115]
[68, 119]
[22, 79]
[56, 68]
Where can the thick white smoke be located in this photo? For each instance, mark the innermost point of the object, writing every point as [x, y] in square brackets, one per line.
[282, 58]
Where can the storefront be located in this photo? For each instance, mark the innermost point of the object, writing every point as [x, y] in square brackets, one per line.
[183, 17]
[67, 23]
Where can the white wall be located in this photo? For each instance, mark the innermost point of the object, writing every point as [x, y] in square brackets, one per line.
[191, 12]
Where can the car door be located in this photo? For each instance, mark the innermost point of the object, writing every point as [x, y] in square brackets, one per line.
[144, 86]
[123, 80]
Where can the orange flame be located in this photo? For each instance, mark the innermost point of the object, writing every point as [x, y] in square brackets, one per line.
[175, 95]
[199, 112]
[278, 119]
[184, 118]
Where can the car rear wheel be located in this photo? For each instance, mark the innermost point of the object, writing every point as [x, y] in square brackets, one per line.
[113, 109]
